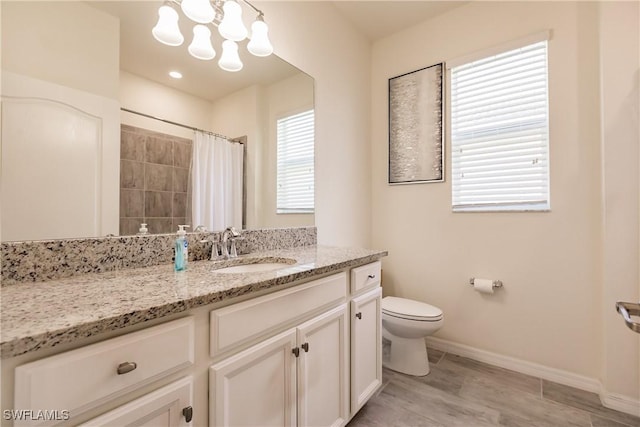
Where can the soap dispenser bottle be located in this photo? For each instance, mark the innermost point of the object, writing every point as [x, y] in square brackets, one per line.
[181, 249]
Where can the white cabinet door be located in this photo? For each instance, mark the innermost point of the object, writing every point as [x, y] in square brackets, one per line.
[170, 406]
[256, 387]
[323, 370]
[366, 347]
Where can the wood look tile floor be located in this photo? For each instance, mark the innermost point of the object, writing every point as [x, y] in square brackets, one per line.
[461, 392]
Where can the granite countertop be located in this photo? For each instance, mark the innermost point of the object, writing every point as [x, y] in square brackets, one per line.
[42, 315]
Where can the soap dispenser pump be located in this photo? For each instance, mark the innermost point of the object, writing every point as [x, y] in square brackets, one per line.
[143, 230]
[181, 249]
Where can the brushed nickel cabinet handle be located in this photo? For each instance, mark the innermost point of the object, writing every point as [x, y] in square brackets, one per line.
[126, 367]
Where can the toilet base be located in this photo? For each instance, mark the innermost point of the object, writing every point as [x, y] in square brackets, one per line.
[407, 355]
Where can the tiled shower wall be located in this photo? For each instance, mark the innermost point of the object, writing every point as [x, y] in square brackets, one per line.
[154, 181]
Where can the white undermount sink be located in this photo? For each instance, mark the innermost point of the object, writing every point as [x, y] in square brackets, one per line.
[255, 265]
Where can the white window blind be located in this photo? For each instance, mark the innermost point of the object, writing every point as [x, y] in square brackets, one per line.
[500, 132]
[295, 181]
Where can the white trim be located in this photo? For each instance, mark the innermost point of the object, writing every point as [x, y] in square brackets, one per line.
[518, 365]
[495, 50]
[620, 402]
[614, 401]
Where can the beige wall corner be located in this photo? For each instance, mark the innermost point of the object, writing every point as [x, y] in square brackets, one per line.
[331, 51]
[620, 118]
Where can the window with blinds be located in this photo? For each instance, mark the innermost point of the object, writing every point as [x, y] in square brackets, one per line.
[500, 132]
[295, 183]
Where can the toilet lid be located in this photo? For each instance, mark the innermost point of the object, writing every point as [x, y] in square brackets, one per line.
[410, 309]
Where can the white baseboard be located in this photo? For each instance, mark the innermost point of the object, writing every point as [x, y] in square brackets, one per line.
[610, 400]
[620, 402]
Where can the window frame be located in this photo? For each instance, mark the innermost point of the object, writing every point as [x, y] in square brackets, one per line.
[544, 206]
[278, 118]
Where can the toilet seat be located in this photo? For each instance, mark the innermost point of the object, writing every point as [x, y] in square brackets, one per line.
[410, 310]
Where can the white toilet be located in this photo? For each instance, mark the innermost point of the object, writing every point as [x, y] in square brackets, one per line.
[406, 323]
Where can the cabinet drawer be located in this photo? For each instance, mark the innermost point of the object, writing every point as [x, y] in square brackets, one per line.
[87, 377]
[239, 323]
[163, 407]
[365, 276]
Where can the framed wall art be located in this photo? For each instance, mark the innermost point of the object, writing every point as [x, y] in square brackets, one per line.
[416, 152]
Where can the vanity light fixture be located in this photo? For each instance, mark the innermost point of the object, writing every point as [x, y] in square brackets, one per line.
[175, 74]
[226, 15]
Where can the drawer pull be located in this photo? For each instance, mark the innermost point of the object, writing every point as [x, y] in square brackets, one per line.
[359, 315]
[188, 413]
[296, 351]
[371, 276]
[126, 367]
[305, 347]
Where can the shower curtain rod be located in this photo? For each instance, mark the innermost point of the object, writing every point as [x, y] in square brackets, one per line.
[149, 116]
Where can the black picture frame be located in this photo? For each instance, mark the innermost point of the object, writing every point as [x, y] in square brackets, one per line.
[416, 137]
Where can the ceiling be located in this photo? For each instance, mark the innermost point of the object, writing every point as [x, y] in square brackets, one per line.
[142, 55]
[378, 19]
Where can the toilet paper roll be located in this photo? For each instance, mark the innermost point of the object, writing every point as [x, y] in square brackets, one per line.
[484, 286]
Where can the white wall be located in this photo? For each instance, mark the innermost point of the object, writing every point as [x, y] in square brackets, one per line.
[145, 96]
[289, 96]
[68, 53]
[549, 309]
[68, 43]
[318, 40]
[620, 92]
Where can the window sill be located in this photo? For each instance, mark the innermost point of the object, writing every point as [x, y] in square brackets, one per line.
[510, 209]
[295, 213]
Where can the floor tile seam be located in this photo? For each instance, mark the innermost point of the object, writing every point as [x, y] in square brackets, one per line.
[609, 419]
[483, 375]
[443, 396]
[499, 370]
[439, 422]
[588, 412]
[503, 409]
[617, 422]
[413, 412]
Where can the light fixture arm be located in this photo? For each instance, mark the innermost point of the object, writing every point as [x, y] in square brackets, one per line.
[217, 6]
[260, 13]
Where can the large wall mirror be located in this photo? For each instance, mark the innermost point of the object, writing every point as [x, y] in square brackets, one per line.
[75, 164]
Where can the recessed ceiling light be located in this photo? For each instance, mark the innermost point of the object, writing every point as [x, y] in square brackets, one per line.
[175, 74]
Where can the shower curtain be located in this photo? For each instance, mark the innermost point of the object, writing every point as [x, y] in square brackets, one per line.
[217, 174]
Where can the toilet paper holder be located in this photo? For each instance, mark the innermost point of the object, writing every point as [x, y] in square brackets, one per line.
[496, 283]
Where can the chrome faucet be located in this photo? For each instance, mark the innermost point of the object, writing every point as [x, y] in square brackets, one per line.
[230, 233]
[215, 245]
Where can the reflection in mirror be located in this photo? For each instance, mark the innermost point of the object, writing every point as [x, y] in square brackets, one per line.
[75, 165]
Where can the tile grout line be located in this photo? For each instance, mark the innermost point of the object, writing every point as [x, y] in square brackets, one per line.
[585, 410]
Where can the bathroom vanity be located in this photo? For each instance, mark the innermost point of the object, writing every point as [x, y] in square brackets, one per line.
[299, 345]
